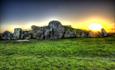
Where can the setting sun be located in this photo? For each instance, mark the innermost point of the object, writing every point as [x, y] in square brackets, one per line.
[95, 27]
[95, 24]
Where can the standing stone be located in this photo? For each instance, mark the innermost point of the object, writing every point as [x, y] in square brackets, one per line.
[7, 35]
[26, 35]
[0, 36]
[103, 32]
[83, 34]
[69, 32]
[47, 32]
[56, 29]
[35, 32]
[78, 32]
[40, 33]
[17, 33]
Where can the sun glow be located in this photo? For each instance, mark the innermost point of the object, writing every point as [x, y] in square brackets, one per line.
[95, 27]
[95, 24]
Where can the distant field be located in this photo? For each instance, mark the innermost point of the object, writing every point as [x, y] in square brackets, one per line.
[65, 54]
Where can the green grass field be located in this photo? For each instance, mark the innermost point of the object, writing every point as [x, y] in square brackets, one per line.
[65, 54]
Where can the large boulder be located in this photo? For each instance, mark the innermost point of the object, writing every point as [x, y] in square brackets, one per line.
[103, 32]
[78, 32]
[54, 24]
[17, 33]
[0, 36]
[47, 32]
[34, 27]
[84, 33]
[40, 33]
[33, 31]
[56, 30]
[7, 35]
[26, 35]
[37, 32]
[69, 32]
